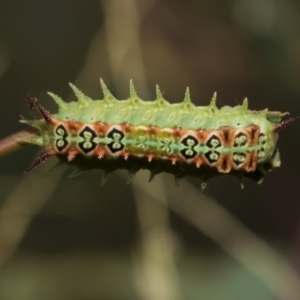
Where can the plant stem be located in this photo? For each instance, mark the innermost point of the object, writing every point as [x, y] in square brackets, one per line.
[17, 140]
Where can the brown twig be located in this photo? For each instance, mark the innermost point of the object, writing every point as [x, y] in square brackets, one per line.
[17, 140]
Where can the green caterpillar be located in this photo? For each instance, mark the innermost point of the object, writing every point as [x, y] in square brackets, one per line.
[181, 139]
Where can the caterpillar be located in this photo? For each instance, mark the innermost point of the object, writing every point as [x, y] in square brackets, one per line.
[181, 139]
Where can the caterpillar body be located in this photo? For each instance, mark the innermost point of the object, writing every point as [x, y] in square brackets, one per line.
[182, 139]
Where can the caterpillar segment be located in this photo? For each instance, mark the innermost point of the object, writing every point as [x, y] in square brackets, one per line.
[181, 139]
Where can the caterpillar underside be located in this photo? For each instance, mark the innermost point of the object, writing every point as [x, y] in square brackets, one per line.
[182, 139]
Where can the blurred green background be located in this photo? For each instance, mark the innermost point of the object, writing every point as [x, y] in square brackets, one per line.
[64, 238]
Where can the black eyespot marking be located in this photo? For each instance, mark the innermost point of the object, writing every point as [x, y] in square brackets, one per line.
[213, 142]
[61, 142]
[212, 156]
[117, 136]
[87, 132]
[190, 142]
[188, 153]
[61, 131]
[239, 158]
[114, 131]
[88, 144]
[240, 140]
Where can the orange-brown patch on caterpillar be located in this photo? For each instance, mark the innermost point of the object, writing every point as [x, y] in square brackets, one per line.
[254, 131]
[173, 159]
[125, 154]
[153, 129]
[224, 163]
[73, 126]
[198, 161]
[72, 153]
[200, 135]
[55, 122]
[224, 133]
[150, 157]
[251, 162]
[177, 132]
[127, 127]
[100, 152]
[101, 129]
